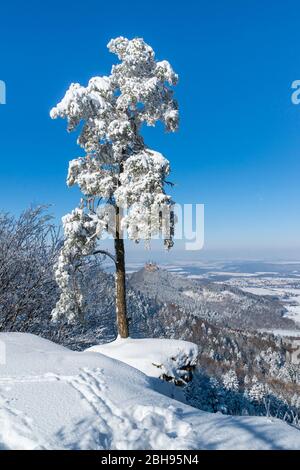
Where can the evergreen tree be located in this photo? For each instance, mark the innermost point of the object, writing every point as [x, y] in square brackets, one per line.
[122, 180]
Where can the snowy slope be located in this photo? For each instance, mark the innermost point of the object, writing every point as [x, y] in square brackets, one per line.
[54, 398]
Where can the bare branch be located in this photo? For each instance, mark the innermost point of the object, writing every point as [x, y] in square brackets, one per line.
[106, 253]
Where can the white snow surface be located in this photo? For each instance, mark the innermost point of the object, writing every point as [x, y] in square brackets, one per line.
[154, 357]
[54, 398]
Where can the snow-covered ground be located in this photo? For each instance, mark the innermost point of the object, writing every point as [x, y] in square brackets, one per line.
[54, 398]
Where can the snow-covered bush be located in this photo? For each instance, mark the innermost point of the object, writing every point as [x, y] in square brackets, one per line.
[29, 247]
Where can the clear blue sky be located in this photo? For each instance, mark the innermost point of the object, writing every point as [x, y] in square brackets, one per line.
[238, 147]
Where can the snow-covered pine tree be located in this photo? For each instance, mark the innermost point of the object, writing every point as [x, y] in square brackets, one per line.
[118, 171]
[230, 381]
[257, 392]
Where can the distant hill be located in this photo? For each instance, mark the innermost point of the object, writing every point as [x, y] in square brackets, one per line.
[219, 303]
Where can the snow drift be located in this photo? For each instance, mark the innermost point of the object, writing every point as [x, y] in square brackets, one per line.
[171, 360]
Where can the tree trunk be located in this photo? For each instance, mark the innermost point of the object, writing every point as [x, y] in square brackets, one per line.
[122, 320]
